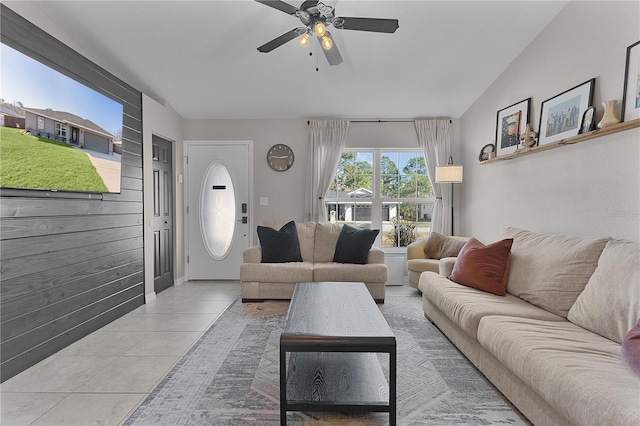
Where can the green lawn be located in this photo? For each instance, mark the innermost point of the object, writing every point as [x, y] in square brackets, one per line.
[30, 162]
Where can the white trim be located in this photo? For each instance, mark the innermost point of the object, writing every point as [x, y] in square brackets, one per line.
[179, 281]
[148, 298]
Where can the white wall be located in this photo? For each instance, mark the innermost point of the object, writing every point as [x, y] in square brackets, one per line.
[589, 189]
[162, 120]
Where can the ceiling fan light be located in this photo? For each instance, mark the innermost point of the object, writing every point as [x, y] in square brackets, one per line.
[304, 40]
[320, 29]
[327, 43]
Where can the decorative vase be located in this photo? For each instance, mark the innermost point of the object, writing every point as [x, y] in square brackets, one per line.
[610, 117]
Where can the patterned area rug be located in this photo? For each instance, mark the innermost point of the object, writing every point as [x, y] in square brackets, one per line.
[231, 376]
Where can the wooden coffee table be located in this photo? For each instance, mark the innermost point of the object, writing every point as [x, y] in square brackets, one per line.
[332, 334]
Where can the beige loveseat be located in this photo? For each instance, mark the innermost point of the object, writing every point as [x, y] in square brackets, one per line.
[552, 345]
[260, 281]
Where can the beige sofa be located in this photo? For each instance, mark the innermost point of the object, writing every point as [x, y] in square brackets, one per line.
[552, 344]
[260, 281]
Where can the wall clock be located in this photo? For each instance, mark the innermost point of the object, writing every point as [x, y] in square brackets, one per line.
[280, 157]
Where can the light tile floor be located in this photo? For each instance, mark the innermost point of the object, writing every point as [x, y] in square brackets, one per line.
[102, 378]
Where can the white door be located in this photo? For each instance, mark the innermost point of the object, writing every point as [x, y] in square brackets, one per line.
[218, 211]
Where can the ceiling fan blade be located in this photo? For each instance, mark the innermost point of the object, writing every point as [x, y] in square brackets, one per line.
[367, 24]
[279, 41]
[280, 5]
[333, 55]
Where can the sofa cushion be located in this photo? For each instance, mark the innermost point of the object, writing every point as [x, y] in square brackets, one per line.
[483, 267]
[579, 373]
[281, 245]
[631, 349]
[550, 271]
[466, 306]
[293, 272]
[438, 246]
[353, 245]
[376, 255]
[610, 302]
[326, 237]
[336, 272]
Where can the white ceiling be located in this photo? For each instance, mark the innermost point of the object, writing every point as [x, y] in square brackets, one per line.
[201, 56]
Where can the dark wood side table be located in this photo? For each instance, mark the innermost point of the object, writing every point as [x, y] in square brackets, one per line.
[333, 332]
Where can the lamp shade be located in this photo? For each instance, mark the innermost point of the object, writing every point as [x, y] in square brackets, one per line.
[449, 174]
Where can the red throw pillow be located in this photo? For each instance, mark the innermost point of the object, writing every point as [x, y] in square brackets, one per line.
[483, 267]
[631, 349]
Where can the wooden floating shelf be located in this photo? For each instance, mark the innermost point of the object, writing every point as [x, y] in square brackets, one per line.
[620, 127]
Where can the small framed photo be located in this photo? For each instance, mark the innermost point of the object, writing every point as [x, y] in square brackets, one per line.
[588, 120]
[631, 94]
[560, 115]
[511, 121]
[487, 152]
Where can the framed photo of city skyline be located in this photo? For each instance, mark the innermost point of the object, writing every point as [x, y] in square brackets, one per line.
[561, 115]
[511, 122]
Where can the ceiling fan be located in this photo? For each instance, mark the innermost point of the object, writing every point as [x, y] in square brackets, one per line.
[316, 17]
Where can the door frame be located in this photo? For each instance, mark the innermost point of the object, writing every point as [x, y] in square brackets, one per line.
[185, 231]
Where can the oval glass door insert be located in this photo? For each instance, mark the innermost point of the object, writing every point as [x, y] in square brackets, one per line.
[217, 210]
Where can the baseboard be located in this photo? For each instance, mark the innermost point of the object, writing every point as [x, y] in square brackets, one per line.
[179, 281]
[148, 298]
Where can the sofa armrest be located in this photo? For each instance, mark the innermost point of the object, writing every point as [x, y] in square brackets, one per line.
[415, 250]
[446, 266]
[252, 255]
[376, 255]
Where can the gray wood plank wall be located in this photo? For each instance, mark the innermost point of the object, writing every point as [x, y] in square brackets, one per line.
[69, 263]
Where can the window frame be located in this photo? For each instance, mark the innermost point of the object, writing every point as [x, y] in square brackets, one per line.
[377, 201]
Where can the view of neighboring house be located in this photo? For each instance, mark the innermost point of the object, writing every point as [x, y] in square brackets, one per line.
[10, 118]
[69, 128]
[360, 211]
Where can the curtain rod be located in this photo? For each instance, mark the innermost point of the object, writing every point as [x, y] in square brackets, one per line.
[380, 121]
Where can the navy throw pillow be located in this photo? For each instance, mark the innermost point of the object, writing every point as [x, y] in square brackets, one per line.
[280, 246]
[354, 244]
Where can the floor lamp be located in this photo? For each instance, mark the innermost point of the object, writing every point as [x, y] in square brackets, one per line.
[449, 174]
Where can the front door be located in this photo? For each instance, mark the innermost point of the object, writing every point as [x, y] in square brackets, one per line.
[162, 214]
[218, 211]
[74, 135]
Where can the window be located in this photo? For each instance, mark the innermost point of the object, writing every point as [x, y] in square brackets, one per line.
[40, 124]
[383, 189]
[61, 131]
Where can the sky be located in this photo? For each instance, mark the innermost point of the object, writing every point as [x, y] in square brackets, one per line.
[26, 80]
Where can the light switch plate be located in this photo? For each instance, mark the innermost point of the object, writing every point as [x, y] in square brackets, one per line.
[264, 201]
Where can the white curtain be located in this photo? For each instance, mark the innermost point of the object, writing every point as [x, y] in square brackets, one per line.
[328, 139]
[434, 137]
